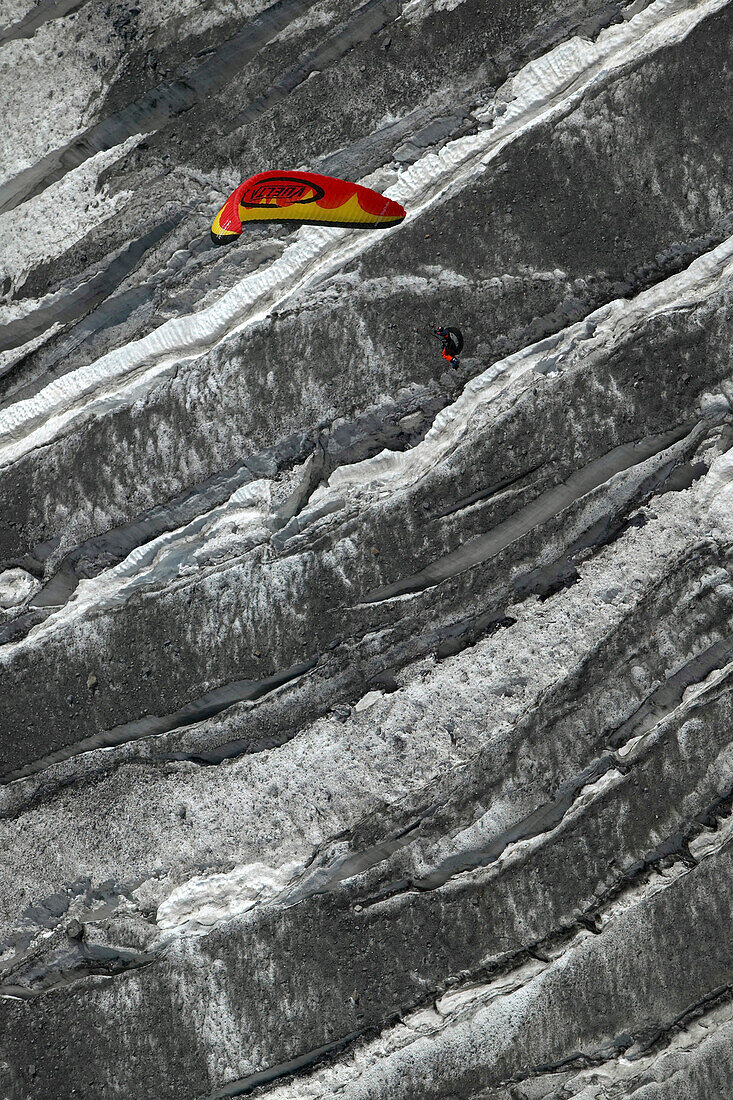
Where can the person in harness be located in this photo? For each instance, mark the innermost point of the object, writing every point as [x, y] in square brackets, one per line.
[452, 344]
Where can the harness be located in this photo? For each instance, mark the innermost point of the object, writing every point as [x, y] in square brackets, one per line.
[452, 342]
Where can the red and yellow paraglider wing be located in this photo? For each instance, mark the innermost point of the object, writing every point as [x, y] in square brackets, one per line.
[304, 197]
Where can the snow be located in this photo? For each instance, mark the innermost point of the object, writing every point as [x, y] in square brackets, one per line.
[53, 221]
[15, 587]
[203, 901]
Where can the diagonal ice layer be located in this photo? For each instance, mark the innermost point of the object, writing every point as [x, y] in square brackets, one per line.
[391, 471]
[247, 515]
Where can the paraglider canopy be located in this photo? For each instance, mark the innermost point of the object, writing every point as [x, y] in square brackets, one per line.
[304, 197]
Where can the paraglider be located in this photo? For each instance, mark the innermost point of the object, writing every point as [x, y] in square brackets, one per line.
[306, 198]
[452, 343]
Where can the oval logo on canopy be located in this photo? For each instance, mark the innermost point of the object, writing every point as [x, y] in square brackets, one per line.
[281, 191]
